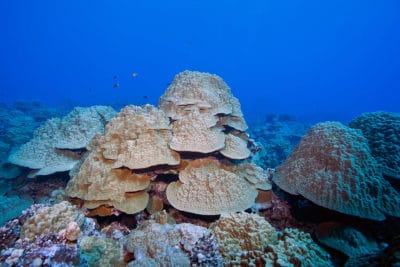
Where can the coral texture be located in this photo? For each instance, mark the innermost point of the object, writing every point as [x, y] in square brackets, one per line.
[206, 187]
[295, 248]
[248, 240]
[333, 167]
[204, 112]
[243, 237]
[137, 138]
[197, 134]
[173, 245]
[50, 149]
[100, 251]
[49, 220]
[382, 130]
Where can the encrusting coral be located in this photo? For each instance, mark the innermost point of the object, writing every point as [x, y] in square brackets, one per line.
[50, 150]
[333, 167]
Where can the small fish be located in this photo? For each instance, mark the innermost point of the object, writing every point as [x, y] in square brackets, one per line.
[116, 85]
[115, 77]
[135, 74]
[145, 97]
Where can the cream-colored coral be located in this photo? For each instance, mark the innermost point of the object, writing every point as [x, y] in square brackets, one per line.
[81, 124]
[254, 174]
[138, 138]
[203, 109]
[97, 180]
[206, 91]
[235, 148]
[49, 150]
[51, 220]
[242, 237]
[206, 188]
[40, 152]
[196, 133]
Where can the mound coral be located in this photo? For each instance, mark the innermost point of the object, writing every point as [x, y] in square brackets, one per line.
[333, 167]
[203, 112]
[198, 133]
[59, 218]
[249, 240]
[382, 130]
[50, 150]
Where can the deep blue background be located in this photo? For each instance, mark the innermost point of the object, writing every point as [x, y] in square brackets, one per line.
[316, 59]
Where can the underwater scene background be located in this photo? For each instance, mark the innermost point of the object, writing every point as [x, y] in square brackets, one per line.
[319, 60]
[199, 133]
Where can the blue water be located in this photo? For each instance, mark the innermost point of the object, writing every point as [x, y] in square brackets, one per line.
[316, 59]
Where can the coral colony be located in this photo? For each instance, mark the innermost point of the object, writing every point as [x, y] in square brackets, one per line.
[182, 184]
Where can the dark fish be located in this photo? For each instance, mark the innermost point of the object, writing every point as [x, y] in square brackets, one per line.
[116, 85]
[115, 77]
[145, 97]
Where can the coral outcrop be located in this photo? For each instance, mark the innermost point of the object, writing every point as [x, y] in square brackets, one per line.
[197, 135]
[172, 245]
[51, 149]
[382, 130]
[54, 219]
[204, 113]
[333, 167]
[248, 240]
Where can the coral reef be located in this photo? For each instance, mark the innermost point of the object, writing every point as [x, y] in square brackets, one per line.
[382, 130]
[197, 135]
[169, 186]
[333, 167]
